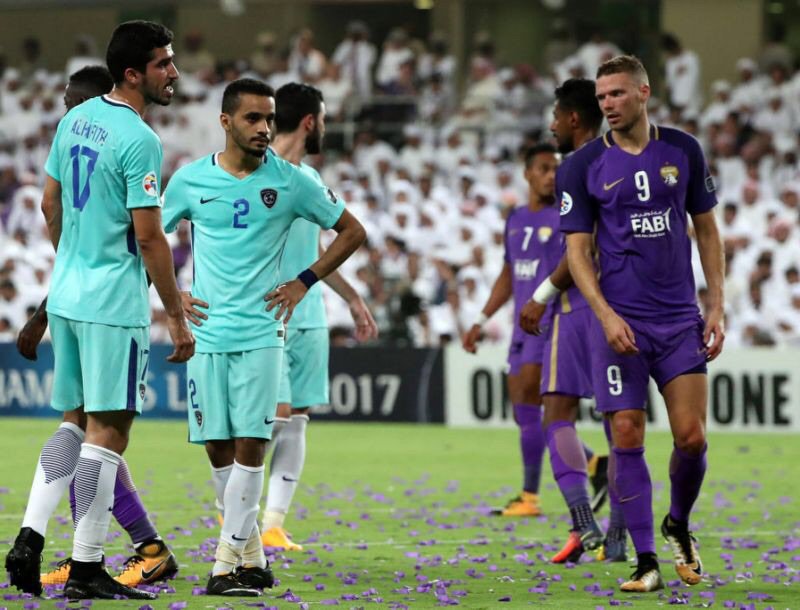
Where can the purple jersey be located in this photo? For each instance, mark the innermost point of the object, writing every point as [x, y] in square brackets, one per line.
[571, 298]
[640, 205]
[531, 251]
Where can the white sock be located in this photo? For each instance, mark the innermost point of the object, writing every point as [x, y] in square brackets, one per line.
[288, 458]
[54, 472]
[219, 477]
[280, 424]
[253, 552]
[94, 499]
[242, 494]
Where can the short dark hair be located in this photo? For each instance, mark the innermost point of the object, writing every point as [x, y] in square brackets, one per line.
[230, 98]
[294, 101]
[624, 64]
[132, 44]
[578, 95]
[538, 149]
[96, 80]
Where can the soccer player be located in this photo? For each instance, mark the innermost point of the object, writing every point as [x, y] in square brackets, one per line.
[152, 559]
[241, 203]
[566, 374]
[637, 185]
[531, 251]
[106, 229]
[299, 130]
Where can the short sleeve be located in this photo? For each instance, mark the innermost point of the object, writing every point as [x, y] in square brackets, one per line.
[176, 205]
[577, 209]
[701, 191]
[52, 166]
[141, 167]
[315, 202]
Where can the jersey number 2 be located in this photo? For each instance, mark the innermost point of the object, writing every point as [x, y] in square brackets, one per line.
[81, 195]
[242, 207]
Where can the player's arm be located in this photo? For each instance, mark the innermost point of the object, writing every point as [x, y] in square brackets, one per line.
[579, 255]
[712, 258]
[52, 208]
[366, 328]
[31, 334]
[501, 292]
[549, 289]
[157, 258]
[350, 235]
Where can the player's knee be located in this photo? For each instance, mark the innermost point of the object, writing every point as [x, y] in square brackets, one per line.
[691, 442]
[76, 417]
[628, 430]
[251, 451]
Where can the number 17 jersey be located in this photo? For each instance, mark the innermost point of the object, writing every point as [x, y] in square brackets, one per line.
[108, 162]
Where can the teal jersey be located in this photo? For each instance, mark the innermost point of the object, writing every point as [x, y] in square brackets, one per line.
[239, 230]
[302, 251]
[108, 162]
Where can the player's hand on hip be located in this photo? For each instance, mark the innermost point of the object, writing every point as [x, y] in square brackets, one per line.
[31, 335]
[471, 339]
[366, 328]
[190, 310]
[619, 335]
[530, 316]
[714, 333]
[182, 339]
[286, 297]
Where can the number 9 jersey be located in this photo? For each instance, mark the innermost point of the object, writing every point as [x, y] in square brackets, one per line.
[108, 162]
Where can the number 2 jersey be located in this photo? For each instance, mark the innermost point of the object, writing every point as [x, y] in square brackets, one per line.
[108, 162]
[640, 204]
[239, 229]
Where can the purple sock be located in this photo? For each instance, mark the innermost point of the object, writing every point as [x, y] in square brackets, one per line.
[568, 462]
[616, 518]
[128, 508]
[636, 497]
[532, 443]
[686, 472]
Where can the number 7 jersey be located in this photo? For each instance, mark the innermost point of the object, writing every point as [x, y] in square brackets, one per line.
[108, 162]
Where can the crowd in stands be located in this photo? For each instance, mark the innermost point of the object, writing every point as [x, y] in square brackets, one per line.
[432, 167]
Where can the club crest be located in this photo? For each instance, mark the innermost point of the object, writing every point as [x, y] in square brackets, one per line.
[142, 390]
[269, 197]
[198, 417]
[669, 173]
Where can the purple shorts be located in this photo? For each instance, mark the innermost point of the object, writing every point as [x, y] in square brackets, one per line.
[567, 362]
[524, 349]
[666, 350]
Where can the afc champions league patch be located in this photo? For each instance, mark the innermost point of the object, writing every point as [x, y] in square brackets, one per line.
[269, 197]
[150, 184]
[566, 203]
[669, 174]
[544, 234]
[710, 185]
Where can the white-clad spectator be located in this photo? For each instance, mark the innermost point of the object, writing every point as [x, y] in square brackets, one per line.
[12, 307]
[306, 60]
[594, 52]
[788, 319]
[436, 101]
[746, 94]
[395, 53]
[414, 151]
[195, 57]
[26, 214]
[335, 90]
[719, 108]
[356, 56]
[784, 244]
[437, 60]
[775, 118]
[682, 68]
[264, 60]
[85, 54]
[481, 94]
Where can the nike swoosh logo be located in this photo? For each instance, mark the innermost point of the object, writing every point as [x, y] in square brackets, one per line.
[235, 537]
[289, 480]
[269, 421]
[148, 574]
[209, 200]
[608, 187]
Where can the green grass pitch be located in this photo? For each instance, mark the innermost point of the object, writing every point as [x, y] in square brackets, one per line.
[395, 516]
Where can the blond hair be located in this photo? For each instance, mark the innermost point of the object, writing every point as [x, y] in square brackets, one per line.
[624, 64]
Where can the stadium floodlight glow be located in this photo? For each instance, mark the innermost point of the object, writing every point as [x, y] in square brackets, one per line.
[424, 5]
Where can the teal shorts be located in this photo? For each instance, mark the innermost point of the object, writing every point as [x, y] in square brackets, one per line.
[233, 395]
[304, 380]
[100, 367]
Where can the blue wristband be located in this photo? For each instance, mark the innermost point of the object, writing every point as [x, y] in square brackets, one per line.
[308, 277]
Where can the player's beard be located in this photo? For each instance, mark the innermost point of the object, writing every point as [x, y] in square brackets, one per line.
[313, 142]
[245, 143]
[153, 94]
[629, 125]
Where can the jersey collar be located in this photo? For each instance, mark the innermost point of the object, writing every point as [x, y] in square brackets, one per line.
[609, 141]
